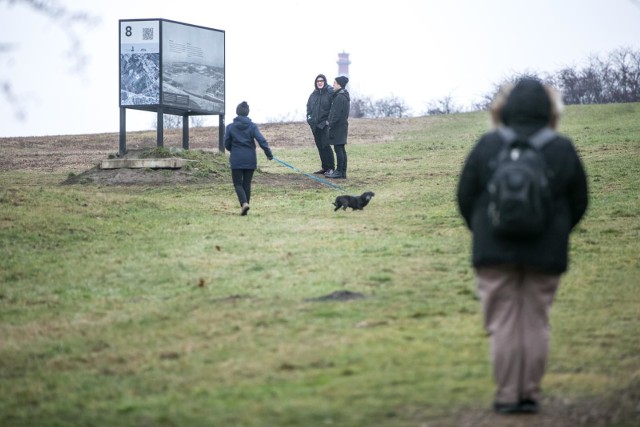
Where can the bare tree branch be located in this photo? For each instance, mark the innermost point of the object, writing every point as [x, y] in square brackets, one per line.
[68, 21]
[8, 93]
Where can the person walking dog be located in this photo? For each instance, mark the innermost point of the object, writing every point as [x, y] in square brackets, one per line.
[516, 273]
[240, 140]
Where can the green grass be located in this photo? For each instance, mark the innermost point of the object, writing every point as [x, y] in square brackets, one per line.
[161, 306]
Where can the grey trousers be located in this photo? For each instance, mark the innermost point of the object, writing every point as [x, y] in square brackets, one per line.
[515, 303]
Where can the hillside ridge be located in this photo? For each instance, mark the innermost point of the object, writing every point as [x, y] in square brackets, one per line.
[79, 152]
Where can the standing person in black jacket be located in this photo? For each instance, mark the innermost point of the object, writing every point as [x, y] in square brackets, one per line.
[517, 279]
[318, 107]
[240, 140]
[339, 125]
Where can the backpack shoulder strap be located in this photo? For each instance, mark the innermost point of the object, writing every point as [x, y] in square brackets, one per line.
[538, 140]
[507, 134]
[542, 137]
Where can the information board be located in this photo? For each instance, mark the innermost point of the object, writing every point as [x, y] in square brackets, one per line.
[177, 66]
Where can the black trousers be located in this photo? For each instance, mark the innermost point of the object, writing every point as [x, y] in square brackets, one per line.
[341, 158]
[242, 183]
[321, 138]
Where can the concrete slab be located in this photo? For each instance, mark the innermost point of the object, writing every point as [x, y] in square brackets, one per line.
[171, 163]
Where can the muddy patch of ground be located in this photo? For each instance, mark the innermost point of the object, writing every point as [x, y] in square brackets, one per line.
[168, 177]
[183, 176]
[338, 296]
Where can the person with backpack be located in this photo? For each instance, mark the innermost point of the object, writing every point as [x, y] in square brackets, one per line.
[522, 191]
[318, 106]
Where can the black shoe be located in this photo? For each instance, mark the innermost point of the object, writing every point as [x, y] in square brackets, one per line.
[320, 172]
[528, 406]
[328, 172]
[336, 174]
[506, 408]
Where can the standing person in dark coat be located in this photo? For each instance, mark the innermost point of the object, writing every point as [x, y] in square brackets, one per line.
[318, 107]
[240, 140]
[339, 125]
[517, 279]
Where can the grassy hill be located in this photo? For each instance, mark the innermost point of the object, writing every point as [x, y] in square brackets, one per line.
[159, 305]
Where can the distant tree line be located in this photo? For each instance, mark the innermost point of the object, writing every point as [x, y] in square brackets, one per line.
[613, 79]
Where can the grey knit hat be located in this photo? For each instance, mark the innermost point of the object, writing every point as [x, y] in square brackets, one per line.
[242, 109]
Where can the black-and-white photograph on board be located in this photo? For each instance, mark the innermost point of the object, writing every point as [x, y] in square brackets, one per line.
[192, 67]
[139, 63]
[173, 65]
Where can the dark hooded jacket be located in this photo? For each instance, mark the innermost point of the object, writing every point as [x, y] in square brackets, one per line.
[319, 104]
[239, 140]
[527, 110]
[339, 117]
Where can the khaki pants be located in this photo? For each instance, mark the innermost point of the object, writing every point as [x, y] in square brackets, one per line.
[515, 304]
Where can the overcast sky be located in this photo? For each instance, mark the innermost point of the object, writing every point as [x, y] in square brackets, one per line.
[417, 50]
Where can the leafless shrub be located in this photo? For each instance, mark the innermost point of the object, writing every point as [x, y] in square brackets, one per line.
[366, 107]
[444, 105]
[612, 79]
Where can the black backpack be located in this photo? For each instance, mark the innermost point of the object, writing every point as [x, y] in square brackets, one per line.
[520, 200]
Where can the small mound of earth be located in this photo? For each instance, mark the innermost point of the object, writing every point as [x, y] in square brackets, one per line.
[218, 173]
[146, 176]
[164, 177]
[338, 296]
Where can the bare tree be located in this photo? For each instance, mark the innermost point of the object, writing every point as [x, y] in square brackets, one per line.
[444, 105]
[569, 81]
[391, 106]
[68, 21]
[625, 75]
[591, 82]
[169, 121]
[197, 121]
[366, 107]
[361, 106]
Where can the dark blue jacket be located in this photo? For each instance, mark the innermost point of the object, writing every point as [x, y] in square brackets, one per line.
[240, 140]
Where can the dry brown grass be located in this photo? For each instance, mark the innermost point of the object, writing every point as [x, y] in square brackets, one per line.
[79, 152]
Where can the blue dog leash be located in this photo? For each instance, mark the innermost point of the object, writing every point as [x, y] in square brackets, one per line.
[324, 181]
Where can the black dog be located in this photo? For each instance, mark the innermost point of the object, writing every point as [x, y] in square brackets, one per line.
[353, 202]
